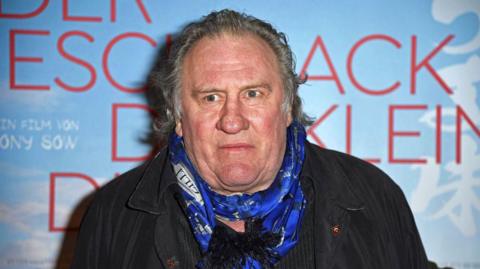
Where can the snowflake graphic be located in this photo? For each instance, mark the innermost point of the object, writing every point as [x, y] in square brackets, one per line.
[455, 182]
[460, 207]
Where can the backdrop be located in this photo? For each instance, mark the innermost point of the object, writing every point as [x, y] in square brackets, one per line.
[392, 82]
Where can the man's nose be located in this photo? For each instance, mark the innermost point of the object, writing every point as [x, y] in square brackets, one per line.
[232, 118]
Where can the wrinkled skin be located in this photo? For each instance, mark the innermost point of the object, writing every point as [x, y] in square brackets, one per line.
[232, 122]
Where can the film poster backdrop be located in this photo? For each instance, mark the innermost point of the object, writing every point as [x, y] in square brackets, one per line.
[393, 82]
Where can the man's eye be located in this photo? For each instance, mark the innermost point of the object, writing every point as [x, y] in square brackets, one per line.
[253, 93]
[211, 98]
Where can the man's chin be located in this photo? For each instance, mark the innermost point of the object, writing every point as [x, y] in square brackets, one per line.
[236, 180]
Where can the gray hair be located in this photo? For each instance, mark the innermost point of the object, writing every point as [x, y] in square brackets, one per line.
[165, 77]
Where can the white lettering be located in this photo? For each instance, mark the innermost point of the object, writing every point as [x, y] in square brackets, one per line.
[68, 125]
[15, 142]
[58, 142]
[186, 182]
[7, 124]
[35, 125]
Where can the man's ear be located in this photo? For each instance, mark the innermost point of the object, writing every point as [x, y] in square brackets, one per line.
[178, 128]
[289, 118]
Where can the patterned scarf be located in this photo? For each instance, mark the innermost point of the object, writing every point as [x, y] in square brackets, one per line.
[273, 216]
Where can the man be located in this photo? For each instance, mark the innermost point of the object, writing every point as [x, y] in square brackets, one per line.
[238, 185]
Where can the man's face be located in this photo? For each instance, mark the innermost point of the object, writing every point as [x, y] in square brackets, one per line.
[232, 123]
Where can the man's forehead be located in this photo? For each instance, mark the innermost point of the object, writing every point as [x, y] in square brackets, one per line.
[230, 45]
[246, 56]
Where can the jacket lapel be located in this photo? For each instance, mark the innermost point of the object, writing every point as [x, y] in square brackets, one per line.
[174, 243]
[156, 194]
[149, 194]
[334, 201]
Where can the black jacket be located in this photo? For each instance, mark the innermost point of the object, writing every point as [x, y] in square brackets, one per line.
[356, 217]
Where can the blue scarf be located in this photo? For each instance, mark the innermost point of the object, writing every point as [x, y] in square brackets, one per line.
[278, 210]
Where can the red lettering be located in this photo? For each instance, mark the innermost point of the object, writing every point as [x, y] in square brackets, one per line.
[414, 67]
[14, 59]
[392, 133]
[351, 54]
[86, 65]
[168, 42]
[141, 6]
[106, 55]
[458, 134]
[311, 129]
[68, 17]
[348, 130]
[115, 155]
[438, 134]
[144, 11]
[113, 10]
[32, 14]
[333, 73]
[54, 177]
[348, 136]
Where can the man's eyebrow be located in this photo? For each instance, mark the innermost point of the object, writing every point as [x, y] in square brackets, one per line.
[204, 90]
[260, 85]
[199, 90]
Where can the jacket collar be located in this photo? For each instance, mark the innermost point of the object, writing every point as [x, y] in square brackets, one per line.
[149, 194]
[327, 177]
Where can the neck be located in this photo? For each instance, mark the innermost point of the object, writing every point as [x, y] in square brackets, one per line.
[238, 225]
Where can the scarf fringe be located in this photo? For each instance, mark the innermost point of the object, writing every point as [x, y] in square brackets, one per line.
[229, 249]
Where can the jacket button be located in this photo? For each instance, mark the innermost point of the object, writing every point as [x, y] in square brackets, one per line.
[336, 230]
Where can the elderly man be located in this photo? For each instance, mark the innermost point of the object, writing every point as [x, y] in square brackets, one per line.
[238, 185]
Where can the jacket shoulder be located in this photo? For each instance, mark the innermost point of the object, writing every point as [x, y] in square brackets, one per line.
[108, 222]
[119, 189]
[384, 214]
[363, 176]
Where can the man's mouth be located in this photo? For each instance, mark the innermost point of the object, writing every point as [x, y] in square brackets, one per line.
[236, 147]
